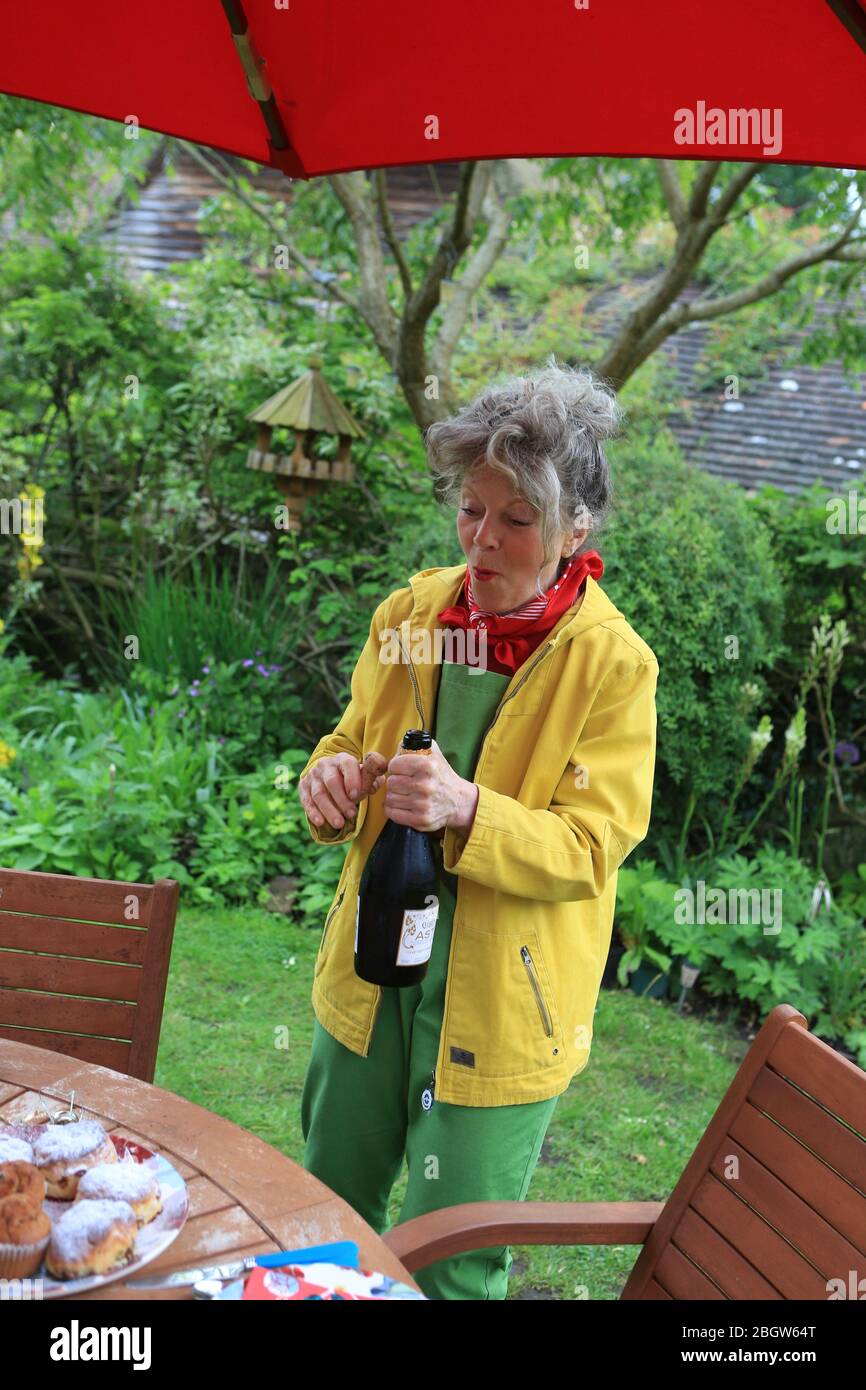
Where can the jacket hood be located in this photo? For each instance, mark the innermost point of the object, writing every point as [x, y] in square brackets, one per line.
[438, 588]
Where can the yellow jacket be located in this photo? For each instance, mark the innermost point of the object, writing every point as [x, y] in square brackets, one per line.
[565, 776]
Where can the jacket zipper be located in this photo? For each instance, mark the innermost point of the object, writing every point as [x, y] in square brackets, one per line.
[519, 686]
[542, 1007]
[334, 909]
[414, 679]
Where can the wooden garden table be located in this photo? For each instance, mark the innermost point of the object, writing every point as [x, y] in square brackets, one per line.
[245, 1197]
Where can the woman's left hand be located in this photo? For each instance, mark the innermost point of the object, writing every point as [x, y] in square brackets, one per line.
[424, 791]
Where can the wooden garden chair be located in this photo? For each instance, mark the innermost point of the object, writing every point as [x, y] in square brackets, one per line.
[771, 1204]
[83, 966]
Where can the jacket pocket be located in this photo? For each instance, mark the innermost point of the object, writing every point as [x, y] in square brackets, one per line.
[543, 1010]
[328, 920]
[501, 1012]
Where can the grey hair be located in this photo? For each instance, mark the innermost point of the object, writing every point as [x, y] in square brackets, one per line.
[544, 431]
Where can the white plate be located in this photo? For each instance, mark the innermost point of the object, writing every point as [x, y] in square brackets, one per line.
[150, 1240]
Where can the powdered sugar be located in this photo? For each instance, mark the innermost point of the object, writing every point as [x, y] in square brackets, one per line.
[65, 1143]
[14, 1150]
[130, 1181]
[85, 1224]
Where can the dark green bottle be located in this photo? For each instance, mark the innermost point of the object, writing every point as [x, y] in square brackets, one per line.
[398, 900]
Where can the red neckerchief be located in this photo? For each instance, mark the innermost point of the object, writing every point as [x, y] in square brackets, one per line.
[511, 637]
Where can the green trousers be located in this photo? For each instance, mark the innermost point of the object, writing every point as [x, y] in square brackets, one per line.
[361, 1115]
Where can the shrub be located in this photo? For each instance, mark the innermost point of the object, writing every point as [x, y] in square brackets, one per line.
[691, 568]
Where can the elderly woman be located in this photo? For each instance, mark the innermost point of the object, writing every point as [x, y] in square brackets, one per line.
[539, 784]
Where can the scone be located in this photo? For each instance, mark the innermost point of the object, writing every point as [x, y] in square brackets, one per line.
[22, 1179]
[92, 1237]
[129, 1182]
[24, 1233]
[63, 1152]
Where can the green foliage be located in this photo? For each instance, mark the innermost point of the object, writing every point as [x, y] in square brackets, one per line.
[692, 570]
[821, 570]
[643, 906]
[115, 786]
[63, 168]
[206, 616]
[246, 706]
[253, 832]
[764, 935]
[818, 962]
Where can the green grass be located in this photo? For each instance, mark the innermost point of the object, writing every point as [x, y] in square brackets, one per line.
[623, 1131]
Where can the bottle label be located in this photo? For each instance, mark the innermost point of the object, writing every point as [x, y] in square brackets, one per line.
[416, 933]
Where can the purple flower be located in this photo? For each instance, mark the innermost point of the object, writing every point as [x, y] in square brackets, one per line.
[847, 753]
[206, 670]
[272, 669]
[173, 692]
[262, 670]
[259, 652]
[196, 682]
[248, 662]
[193, 693]
[220, 739]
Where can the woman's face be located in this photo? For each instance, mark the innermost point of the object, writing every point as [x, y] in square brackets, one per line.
[500, 534]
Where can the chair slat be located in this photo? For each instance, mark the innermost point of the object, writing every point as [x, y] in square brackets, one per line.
[682, 1279]
[823, 1073]
[721, 1263]
[655, 1291]
[103, 1051]
[645, 1267]
[26, 932]
[820, 1188]
[793, 1218]
[828, 1137]
[26, 1009]
[719, 1203]
[67, 975]
[84, 899]
[62, 938]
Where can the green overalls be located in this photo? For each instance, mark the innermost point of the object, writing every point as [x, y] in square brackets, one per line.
[359, 1115]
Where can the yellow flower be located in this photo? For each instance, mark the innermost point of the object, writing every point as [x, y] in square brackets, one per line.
[27, 562]
[6, 754]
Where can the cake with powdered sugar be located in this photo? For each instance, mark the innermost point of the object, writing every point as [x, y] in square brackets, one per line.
[14, 1150]
[131, 1182]
[92, 1237]
[63, 1152]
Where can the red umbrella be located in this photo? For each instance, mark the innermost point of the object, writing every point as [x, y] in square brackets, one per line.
[351, 85]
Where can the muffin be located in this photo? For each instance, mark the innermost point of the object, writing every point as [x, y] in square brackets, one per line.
[22, 1179]
[25, 1231]
[63, 1152]
[129, 1182]
[91, 1237]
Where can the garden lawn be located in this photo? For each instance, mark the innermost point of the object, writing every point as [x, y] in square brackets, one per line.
[240, 981]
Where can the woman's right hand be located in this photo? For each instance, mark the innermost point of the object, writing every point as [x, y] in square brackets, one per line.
[336, 784]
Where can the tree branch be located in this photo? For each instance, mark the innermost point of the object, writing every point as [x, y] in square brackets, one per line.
[353, 191]
[279, 234]
[381, 185]
[467, 286]
[672, 190]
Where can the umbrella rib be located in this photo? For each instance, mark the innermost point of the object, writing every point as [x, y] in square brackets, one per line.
[852, 16]
[257, 80]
